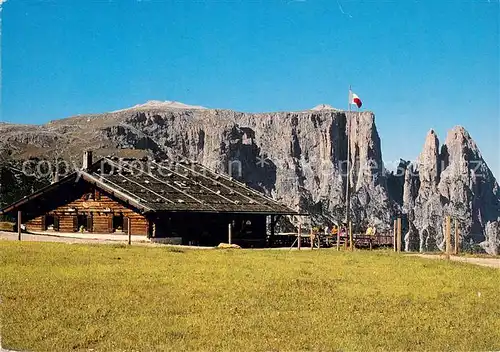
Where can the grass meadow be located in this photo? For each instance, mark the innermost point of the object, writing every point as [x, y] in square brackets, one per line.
[68, 297]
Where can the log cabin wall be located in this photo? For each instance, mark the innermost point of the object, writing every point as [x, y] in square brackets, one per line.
[97, 205]
[36, 224]
[101, 223]
[67, 223]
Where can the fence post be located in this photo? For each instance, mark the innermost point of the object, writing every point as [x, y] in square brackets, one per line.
[299, 237]
[395, 234]
[338, 238]
[351, 244]
[457, 239]
[271, 234]
[19, 221]
[129, 231]
[448, 237]
[311, 238]
[398, 241]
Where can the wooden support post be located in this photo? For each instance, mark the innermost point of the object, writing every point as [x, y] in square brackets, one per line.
[351, 244]
[395, 234]
[229, 233]
[457, 239]
[338, 238]
[271, 237]
[346, 235]
[448, 237]
[311, 238]
[299, 237]
[398, 240]
[19, 221]
[129, 231]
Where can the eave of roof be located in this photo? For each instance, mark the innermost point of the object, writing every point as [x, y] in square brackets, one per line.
[41, 191]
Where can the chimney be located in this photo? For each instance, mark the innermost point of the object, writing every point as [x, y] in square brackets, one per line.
[87, 160]
[55, 177]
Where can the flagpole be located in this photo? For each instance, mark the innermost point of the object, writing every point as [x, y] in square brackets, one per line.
[347, 188]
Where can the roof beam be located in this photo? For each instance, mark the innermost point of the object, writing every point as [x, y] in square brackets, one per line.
[223, 185]
[110, 189]
[168, 184]
[130, 194]
[245, 186]
[198, 183]
[150, 190]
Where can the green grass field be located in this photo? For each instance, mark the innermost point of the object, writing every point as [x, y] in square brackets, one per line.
[61, 297]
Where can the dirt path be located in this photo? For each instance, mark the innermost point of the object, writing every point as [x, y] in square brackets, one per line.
[12, 236]
[489, 262]
[88, 239]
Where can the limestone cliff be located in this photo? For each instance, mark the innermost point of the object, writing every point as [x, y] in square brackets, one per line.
[298, 158]
[454, 181]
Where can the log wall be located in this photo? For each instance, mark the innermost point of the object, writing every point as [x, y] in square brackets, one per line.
[102, 223]
[99, 206]
[67, 223]
[36, 224]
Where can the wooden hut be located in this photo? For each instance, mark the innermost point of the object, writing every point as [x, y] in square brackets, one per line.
[182, 202]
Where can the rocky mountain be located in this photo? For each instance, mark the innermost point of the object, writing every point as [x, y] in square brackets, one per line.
[298, 158]
[454, 181]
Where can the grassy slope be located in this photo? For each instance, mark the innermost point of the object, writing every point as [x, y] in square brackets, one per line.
[79, 297]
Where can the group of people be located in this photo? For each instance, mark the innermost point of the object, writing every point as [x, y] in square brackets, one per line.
[330, 231]
[334, 230]
[318, 232]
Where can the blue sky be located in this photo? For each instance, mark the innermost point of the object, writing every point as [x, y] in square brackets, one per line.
[417, 65]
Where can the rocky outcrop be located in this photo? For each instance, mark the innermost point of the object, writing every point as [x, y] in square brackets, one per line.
[428, 210]
[370, 202]
[454, 181]
[411, 188]
[492, 237]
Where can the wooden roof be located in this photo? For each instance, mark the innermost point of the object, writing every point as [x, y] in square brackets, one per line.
[157, 186]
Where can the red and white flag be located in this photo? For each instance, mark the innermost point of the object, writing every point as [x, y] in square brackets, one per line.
[354, 99]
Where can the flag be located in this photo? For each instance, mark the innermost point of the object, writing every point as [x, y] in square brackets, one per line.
[354, 99]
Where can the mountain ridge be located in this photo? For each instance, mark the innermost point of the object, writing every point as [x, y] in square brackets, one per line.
[302, 159]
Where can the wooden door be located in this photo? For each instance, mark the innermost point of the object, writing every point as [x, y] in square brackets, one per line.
[44, 228]
[75, 223]
[56, 223]
[89, 223]
[125, 224]
[110, 223]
